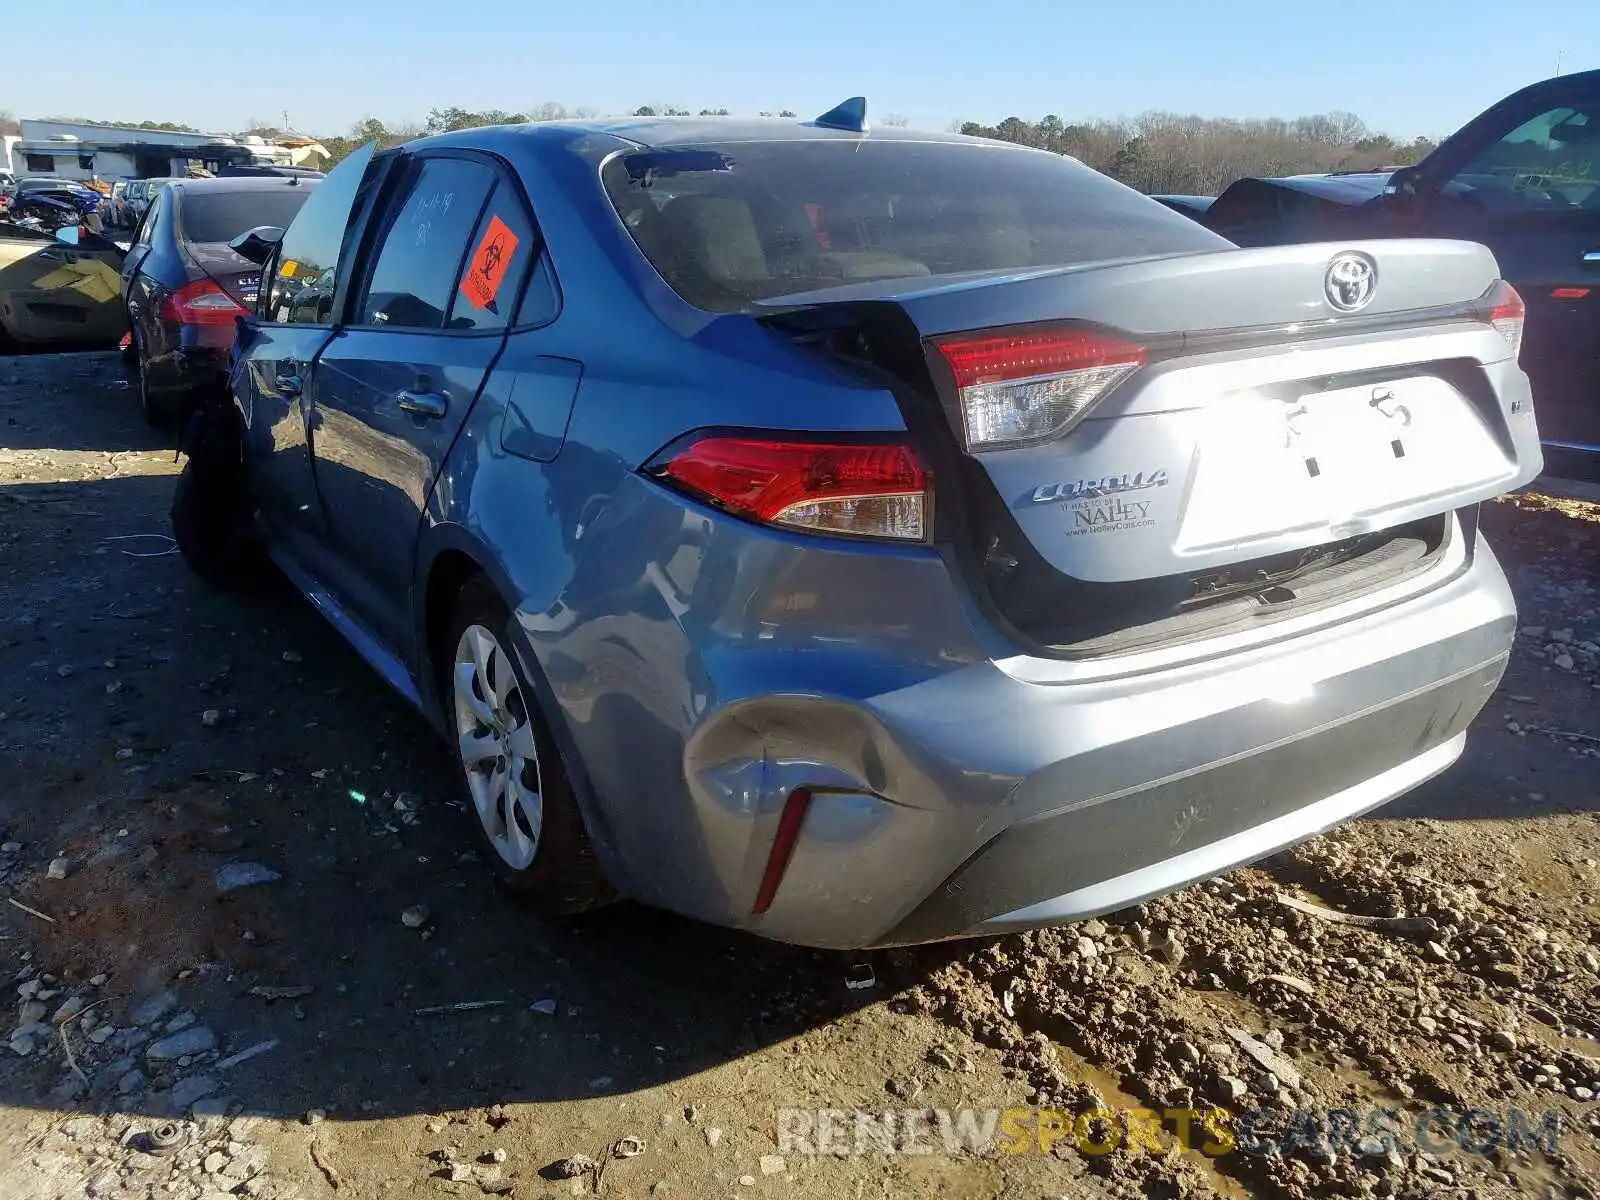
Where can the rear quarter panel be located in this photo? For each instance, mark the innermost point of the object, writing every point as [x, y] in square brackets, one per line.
[637, 609]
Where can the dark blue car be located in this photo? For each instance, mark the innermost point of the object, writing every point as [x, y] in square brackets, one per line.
[869, 537]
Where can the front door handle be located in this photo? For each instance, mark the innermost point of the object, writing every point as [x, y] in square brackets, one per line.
[422, 404]
[289, 385]
[1591, 260]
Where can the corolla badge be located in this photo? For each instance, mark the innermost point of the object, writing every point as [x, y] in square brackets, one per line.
[1091, 489]
[1350, 280]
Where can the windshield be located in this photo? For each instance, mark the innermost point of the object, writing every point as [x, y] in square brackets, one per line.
[738, 222]
[223, 216]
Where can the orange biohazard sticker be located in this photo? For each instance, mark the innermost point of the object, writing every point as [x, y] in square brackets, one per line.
[490, 261]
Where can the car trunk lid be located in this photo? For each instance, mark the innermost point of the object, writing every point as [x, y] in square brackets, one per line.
[234, 273]
[1235, 404]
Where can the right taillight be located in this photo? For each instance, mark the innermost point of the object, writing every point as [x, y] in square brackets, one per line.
[1503, 308]
[876, 490]
[1030, 386]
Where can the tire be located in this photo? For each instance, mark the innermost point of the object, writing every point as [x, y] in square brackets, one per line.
[210, 517]
[157, 413]
[546, 860]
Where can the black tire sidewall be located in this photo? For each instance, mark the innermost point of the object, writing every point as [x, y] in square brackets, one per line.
[563, 878]
[149, 406]
[209, 522]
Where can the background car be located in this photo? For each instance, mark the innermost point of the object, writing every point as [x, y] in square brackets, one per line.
[142, 191]
[184, 286]
[871, 538]
[54, 291]
[1522, 178]
[1189, 206]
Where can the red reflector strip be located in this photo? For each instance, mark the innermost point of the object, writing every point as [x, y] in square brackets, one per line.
[1028, 355]
[762, 478]
[783, 843]
[1569, 293]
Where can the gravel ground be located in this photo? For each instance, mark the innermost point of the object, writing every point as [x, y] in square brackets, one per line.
[239, 896]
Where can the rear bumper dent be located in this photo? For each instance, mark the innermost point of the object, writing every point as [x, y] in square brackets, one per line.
[980, 802]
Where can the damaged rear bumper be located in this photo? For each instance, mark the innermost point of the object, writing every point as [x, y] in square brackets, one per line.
[997, 797]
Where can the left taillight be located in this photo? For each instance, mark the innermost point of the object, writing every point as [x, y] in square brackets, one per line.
[202, 302]
[865, 489]
[1503, 308]
[1033, 385]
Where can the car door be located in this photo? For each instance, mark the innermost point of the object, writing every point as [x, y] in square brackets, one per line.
[135, 292]
[1525, 181]
[295, 316]
[52, 291]
[392, 389]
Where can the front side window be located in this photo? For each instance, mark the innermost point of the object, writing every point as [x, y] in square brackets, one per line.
[306, 267]
[1549, 163]
[731, 224]
[425, 242]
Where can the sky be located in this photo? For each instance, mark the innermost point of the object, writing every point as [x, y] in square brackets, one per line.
[1407, 67]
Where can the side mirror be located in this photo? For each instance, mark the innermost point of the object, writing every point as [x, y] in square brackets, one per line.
[69, 234]
[257, 244]
[1403, 183]
[1573, 132]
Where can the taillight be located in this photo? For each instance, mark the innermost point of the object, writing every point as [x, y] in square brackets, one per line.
[1504, 309]
[1032, 386]
[857, 489]
[202, 302]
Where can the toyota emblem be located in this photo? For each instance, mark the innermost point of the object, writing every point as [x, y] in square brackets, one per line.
[1350, 281]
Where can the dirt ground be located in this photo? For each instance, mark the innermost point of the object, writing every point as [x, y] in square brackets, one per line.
[285, 1039]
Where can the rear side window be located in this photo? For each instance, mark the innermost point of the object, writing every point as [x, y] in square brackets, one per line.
[305, 269]
[503, 246]
[223, 216]
[147, 230]
[419, 259]
[732, 224]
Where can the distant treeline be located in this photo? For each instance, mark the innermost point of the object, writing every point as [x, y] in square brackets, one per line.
[1154, 152]
[1189, 155]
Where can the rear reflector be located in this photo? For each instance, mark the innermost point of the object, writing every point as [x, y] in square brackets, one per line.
[1024, 387]
[1569, 293]
[861, 490]
[1504, 309]
[202, 302]
[783, 842]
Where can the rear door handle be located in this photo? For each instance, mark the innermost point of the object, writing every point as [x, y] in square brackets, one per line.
[1591, 260]
[422, 404]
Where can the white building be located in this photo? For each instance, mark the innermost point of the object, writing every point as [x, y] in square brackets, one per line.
[82, 150]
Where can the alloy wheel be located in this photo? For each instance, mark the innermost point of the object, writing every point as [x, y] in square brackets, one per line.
[499, 749]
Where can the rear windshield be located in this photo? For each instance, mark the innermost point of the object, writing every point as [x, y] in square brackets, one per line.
[223, 216]
[733, 223]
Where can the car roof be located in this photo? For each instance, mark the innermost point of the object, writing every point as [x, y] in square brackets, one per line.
[1340, 189]
[239, 183]
[600, 137]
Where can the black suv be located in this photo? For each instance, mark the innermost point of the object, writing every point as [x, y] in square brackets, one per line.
[1523, 178]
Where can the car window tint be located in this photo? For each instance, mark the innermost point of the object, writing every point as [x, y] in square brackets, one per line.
[306, 267]
[503, 244]
[541, 301]
[147, 226]
[1548, 163]
[153, 218]
[222, 216]
[420, 256]
[731, 224]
